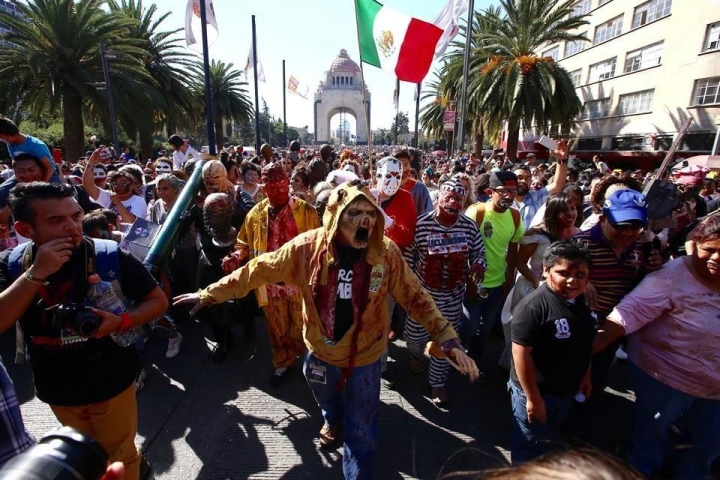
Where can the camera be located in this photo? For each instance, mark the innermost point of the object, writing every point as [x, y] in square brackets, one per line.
[105, 153]
[76, 317]
[64, 453]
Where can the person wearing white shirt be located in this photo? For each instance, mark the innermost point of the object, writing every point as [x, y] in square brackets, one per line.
[121, 199]
[183, 152]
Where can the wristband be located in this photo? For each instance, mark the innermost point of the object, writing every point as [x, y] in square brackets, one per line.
[126, 322]
[36, 281]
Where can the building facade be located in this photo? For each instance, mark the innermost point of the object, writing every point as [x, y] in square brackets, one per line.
[647, 67]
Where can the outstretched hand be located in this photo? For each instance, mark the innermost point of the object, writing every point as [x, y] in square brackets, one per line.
[563, 149]
[465, 364]
[192, 299]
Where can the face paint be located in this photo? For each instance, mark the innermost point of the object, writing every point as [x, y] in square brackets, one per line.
[214, 176]
[389, 174]
[278, 192]
[451, 198]
[163, 167]
[121, 185]
[357, 223]
[99, 176]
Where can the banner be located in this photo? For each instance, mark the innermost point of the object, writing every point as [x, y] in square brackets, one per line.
[449, 21]
[449, 121]
[295, 86]
[193, 27]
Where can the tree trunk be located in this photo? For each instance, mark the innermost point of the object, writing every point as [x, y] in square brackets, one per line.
[73, 127]
[512, 142]
[146, 144]
[479, 140]
[219, 134]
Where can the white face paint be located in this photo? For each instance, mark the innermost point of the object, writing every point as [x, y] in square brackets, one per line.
[389, 175]
[163, 167]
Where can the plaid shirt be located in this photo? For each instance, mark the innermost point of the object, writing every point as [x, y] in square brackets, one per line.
[14, 438]
[530, 205]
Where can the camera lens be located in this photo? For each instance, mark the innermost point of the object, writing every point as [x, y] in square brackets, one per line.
[63, 454]
[86, 322]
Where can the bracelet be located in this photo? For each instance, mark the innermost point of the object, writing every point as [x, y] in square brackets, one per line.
[35, 281]
[126, 322]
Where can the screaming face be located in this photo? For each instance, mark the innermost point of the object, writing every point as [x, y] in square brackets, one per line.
[357, 223]
[214, 176]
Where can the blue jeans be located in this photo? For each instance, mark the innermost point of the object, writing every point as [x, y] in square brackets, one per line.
[355, 407]
[482, 315]
[657, 407]
[530, 440]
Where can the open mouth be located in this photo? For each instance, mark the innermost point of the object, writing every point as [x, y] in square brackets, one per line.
[452, 210]
[362, 234]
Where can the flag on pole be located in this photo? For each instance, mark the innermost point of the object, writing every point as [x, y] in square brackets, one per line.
[418, 87]
[394, 41]
[250, 64]
[193, 27]
[449, 21]
[300, 89]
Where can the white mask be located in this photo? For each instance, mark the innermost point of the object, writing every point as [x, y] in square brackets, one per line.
[163, 167]
[389, 175]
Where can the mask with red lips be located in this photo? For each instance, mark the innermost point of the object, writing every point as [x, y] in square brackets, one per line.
[277, 186]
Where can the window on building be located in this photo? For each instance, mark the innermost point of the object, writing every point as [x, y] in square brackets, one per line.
[351, 80]
[602, 70]
[575, 77]
[608, 30]
[712, 37]
[645, 57]
[596, 108]
[649, 11]
[636, 102]
[664, 142]
[571, 48]
[589, 144]
[581, 8]
[603, 2]
[706, 91]
[628, 143]
[698, 141]
[553, 53]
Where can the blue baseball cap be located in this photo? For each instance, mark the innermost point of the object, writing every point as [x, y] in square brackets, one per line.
[625, 206]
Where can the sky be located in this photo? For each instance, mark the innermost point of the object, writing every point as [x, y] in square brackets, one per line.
[308, 35]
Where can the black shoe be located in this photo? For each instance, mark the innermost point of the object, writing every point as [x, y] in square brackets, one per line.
[278, 376]
[146, 471]
[387, 379]
[219, 354]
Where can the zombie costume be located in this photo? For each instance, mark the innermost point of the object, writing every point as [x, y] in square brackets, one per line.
[441, 257]
[344, 272]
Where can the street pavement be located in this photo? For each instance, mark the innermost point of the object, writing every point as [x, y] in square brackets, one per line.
[200, 419]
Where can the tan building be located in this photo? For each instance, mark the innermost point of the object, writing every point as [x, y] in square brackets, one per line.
[647, 67]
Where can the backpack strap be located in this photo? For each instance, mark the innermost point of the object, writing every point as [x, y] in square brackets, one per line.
[480, 215]
[15, 261]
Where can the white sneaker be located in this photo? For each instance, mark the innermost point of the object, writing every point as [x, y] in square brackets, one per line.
[621, 354]
[174, 346]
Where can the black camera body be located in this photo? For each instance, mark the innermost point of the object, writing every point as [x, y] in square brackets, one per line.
[77, 317]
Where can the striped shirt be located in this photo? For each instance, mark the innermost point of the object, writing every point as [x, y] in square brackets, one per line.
[612, 277]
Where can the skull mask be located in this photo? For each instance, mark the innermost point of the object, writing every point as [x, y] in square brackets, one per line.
[389, 174]
[215, 177]
[163, 167]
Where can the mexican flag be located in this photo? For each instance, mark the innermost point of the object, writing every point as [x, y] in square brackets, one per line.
[394, 41]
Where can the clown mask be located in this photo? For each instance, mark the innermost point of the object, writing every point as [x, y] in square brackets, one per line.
[214, 176]
[99, 176]
[277, 186]
[163, 167]
[389, 174]
[451, 198]
[357, 223]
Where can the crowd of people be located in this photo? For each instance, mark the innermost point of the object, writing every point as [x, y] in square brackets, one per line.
[344, 250]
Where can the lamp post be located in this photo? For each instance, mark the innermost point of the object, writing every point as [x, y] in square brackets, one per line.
[104, 55]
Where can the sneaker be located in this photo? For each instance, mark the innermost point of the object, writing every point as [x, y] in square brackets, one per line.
[621, 354]
[278, 376]
[328, 436]
[387, 379]
[174, 346]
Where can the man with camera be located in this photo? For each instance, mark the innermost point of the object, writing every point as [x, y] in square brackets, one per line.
[78, 369]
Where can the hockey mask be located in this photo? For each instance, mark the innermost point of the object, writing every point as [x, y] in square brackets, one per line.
[277, 185]
[163, 167]
[214, 176]
[389, 175]
[357, 223]
[451, 197]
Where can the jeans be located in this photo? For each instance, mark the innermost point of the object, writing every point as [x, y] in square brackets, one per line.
[482, 315]
[355, 407]
[530, 440]
[657, 407]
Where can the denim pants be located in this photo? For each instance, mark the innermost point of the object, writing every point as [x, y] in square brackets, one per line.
[355, 407]
[530, 440]
[482, 315]
[657, 407]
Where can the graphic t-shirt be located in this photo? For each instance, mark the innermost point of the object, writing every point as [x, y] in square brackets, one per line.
[343, 304]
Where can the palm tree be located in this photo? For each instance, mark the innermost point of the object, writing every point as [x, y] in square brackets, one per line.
[52, 60]
[171, 101]
[230, 100]
[517, 88]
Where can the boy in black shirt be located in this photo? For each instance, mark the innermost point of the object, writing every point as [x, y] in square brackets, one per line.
[552, 335]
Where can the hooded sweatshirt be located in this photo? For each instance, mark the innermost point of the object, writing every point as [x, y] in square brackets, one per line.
[310, 261]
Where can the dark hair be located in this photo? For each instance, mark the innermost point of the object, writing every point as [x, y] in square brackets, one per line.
[176, 141]
[572, 249]
[574, 188]
[246, 166]
[556, 204]
[95, 221]
[597, 198]
[111, 216]
[300, 172]
[8, 127]
[708, 230]
[22, 195]
[21, 157]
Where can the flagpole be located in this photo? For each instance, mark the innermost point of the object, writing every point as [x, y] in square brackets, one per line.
[364, 89]
[208, 92]
[417, 113]
[397, 109]
[285, 143]
[257, 100]
[466, 64]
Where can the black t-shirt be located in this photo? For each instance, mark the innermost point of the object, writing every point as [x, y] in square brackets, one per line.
[561, 335]
[70, 371]
[347, 256]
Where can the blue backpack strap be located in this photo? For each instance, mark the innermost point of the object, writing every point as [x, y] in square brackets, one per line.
[107, 260]
[15, 261]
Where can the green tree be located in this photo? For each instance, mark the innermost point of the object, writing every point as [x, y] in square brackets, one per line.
[401, 127]
[230, 100]
[50, 60]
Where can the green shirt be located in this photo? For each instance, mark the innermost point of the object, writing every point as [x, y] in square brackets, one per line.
[497, 230]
